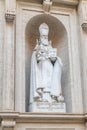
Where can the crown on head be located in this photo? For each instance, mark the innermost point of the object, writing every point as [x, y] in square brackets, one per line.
[43, 29]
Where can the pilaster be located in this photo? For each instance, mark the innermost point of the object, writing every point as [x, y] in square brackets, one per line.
[82, 11]
[8, 60]
[83, 14]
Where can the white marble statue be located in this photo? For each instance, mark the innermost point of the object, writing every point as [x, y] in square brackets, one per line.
[46, 69]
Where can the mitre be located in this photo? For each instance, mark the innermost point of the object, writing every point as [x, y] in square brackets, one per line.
[43, 29]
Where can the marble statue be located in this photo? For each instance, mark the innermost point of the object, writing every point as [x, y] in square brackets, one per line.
[46, 70]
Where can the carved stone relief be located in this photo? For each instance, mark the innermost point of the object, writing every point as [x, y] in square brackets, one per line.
[10, 16]
[47, 4]
[45, 80]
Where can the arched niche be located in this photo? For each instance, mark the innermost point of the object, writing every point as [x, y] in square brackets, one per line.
[58, 36]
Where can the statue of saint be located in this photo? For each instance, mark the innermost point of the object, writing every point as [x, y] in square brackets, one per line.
[46, 70]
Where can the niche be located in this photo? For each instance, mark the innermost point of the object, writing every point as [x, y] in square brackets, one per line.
[58, 36]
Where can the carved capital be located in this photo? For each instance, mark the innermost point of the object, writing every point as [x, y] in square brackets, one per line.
[10, 16]
[47, 4]
[7, 123]
[84, 26]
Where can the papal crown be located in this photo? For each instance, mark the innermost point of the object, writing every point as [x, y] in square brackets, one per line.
[43, 29]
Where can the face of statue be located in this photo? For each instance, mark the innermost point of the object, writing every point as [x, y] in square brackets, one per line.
[44, 40]
[44, 30]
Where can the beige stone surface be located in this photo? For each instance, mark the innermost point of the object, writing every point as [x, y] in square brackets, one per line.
[1, 48]
[16, 45]
[68, 51]
[23, 121]
[82, 17]
[8, 58]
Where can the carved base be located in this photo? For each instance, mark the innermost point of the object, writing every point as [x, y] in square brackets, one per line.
[47, 107]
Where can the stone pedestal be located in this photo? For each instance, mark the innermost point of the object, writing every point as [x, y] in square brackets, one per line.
[47, 107]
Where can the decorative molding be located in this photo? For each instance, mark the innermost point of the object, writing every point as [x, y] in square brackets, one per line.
[10, 16]
[83, 14]
[84, 26]
[7, 123]
[51, 128]
[84, 11]
[10, 119]
[47, 4]
[67, 2]
[64, 2]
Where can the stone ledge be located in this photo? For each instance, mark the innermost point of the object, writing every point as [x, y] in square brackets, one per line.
[67, 2]
[8, 123]
[43, 117]
[64, 2]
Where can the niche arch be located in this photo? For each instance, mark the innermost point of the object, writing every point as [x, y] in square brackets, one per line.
[58, 36]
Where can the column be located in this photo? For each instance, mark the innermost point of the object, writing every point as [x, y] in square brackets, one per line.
[8, 56]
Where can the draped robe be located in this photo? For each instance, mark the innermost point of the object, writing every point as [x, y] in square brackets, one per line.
[45, 75]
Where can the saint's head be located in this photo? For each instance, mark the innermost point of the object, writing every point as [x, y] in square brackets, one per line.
[44, 31]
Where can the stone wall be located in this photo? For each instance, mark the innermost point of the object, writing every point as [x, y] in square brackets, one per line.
[2, 21]
[14, 55]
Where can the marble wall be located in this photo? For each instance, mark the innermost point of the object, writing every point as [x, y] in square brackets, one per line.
[68, 51]
[2, 21]
[16, 45]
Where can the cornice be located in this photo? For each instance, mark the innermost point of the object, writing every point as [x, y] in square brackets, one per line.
[51, 118]
[67, 2]
[55, 2]
[43, 117]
